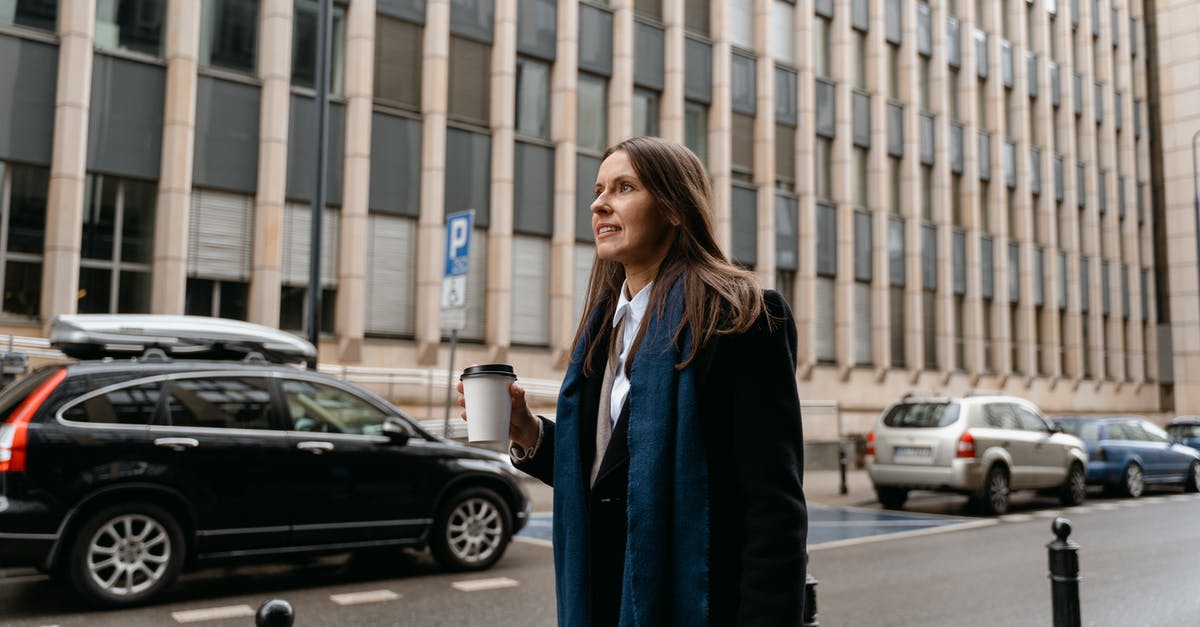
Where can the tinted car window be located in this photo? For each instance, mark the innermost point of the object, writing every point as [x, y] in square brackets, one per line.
[1122, 431]
[220, 402]
[1029, 420]
[928, 415]
[134, 405]
[1087, 431]
[1001, 416]
[316, 407]
[1152, 433]
[1184, 431]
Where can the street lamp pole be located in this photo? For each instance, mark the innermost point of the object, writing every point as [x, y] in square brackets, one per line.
[324, 19]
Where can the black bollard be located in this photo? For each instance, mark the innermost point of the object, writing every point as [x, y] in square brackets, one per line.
[842, 489]
[1064, 575]
[275, 613]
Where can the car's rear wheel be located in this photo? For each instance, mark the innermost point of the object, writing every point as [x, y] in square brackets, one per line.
[471, 530]
[1133, 482]
[993, 495]
[1192, 483]
[891, 498]
[125, 554]
[1074, 489]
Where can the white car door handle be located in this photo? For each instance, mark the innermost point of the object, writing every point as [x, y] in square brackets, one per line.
[315, 447]
[177, 444]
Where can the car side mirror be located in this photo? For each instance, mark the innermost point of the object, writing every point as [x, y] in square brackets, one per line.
[1056, 429]
[395, 430]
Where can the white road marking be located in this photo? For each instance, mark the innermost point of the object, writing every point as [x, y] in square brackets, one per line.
[1154, 499]
[493, 583]
[212, 613]
[1079, 509]
[537, 541]
[1017, 517]
[1050, 513]
[1178, 498]
[369, 596]
[1106, 507]
[929, 531]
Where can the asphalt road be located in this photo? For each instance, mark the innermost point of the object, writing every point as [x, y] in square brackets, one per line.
[1137, 559]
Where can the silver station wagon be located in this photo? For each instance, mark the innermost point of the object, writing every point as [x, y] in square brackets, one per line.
[981, 446]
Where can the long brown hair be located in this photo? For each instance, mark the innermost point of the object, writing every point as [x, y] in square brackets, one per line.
[719, 297]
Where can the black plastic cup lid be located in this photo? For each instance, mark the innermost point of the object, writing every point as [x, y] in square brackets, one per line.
[501, 370]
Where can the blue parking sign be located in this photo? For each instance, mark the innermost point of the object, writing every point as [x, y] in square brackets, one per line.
[458, 242]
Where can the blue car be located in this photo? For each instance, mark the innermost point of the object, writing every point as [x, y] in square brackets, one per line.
[1185, 430]
[1126, 453]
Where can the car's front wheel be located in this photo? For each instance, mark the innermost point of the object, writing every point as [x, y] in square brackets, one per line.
[994, 493]
[1074, 489]
[1133, 482]
[471, 530]
[891, 498]
[1192, 483]
[125, 554]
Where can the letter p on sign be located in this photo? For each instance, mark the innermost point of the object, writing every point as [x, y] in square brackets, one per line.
[458, 242]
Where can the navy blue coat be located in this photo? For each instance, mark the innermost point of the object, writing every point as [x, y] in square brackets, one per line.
[753, 438]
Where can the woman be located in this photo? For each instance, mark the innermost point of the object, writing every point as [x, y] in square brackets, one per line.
[676, 456]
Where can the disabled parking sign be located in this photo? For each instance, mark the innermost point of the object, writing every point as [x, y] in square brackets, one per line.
[454, 279]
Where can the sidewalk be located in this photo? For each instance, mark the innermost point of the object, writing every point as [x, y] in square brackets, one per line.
[821, 487]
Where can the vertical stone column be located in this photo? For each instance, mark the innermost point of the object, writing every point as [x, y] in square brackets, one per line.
[1090, 153]
[911, 194]
[620, 86]
[564, 112]
[500, 230]
[841, 41]
[275, 71]
[720, 125]
[1064, 116]
[169, 285]
[68, 163]
[354, 229]
[435, 99]
[943, 202]
[877, 195]
[804, 307]
[973, 305]
[672, 127]
[1028, 213]
[997, 193]
[764, 142]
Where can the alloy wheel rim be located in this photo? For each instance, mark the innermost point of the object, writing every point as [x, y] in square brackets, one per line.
[128, 554]
[1133, 481]
[1078, 485]
[474, 530]
[999, 491]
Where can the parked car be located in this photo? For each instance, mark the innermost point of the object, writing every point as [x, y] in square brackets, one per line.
[1125, 453]
[1185, 430]
[117, 474]
[981, 446]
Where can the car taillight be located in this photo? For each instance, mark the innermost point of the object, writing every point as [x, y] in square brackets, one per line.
[14, 432]
[966, 446]
[870, 443]
[1098, 455]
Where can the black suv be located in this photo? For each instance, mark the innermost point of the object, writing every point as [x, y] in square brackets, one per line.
[118, 474]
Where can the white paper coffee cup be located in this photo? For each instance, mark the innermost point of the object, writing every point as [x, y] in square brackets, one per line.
[489, 405]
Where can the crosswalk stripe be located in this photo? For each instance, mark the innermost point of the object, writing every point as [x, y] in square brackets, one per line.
[369, 596]
[1016, 517]
[212, 613]
[477, 585]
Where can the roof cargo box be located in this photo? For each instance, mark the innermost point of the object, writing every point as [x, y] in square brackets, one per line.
[94, 336]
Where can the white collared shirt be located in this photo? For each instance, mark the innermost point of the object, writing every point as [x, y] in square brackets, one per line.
[635, 310]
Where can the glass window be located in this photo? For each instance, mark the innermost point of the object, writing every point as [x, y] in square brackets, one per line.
[860, 178]
[741, 23]
[858, 60]
[219, 403]
[26, 188]
[229, 34]
[928, 415]
[893, 72]
[593, 112]
[824, 169]
[742, 73]
[783, 38]
[293, 308]
[304, 46]
[645, 112]
[648, 8]
[135, 405]
[826, 330]
[536, 28]
[929, 330]
[533, 98]
[131, 25]
[1030, 421]
[696, 16]
[224, 299]
[469, 88]
[864, 354]
[117, 245]
[42, 14]
[864, 259]
[695, 128]
[316, 407]
[398, 62]
[821, 47]
[1001, 416]
[896, 329]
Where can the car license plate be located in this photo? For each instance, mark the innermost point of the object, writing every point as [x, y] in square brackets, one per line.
[912, 451]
